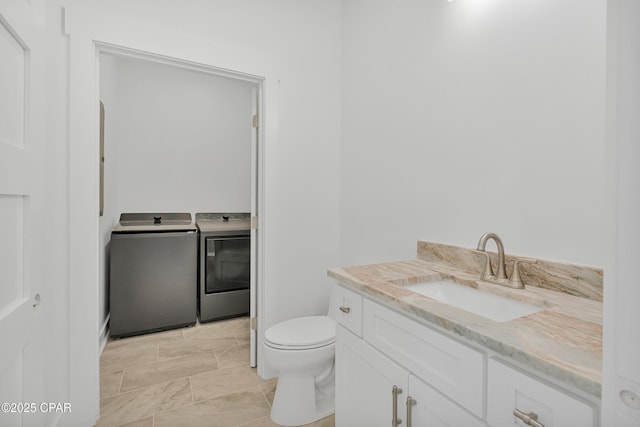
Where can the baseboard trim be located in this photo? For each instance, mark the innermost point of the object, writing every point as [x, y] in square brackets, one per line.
[56, 420]
[104, 333]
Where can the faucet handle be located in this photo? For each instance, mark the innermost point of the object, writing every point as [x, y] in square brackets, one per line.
[515, 279]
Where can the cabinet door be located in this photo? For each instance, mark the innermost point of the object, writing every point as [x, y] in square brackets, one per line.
[431, 409]
[364, 383]
[510, 389]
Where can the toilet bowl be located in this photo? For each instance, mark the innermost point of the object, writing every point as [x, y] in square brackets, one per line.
[302, 352]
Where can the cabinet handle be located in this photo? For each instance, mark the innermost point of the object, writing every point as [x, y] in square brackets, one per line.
[395, 421]
[530, 418]
[410, 402]
[345, 309]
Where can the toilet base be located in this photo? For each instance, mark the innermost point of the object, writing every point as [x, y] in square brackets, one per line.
[300, 400]
[306, 377]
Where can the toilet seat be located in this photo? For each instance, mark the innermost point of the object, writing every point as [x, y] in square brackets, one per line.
[302, 333]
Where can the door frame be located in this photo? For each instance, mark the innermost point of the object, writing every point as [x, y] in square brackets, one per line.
[621, 348]
[91, 34]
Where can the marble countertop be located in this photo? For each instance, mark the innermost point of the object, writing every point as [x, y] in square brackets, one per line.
[564, 340]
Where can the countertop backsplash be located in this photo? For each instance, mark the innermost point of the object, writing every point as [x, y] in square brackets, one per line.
[573, 279]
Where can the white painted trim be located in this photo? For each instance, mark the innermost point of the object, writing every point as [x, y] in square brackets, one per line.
[84, 392]
[620, 345]
[176, 62]
[608, 404]
[56, 420]
[268, 119]
[89, 32]
[253, 297]
[104, 333]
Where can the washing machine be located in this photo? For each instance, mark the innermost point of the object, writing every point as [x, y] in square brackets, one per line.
[153, 273]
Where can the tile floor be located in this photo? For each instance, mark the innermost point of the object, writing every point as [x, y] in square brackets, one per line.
[191, 377]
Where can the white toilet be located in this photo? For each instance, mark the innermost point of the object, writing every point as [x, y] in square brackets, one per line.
[302, 351]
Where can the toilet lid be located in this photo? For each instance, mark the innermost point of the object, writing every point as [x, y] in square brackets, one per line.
[302, 332]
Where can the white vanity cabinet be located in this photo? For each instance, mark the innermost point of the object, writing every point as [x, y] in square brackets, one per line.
[439, 381]
[511, 390]
[371, 388]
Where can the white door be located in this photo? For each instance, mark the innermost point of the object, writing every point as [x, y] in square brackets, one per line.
[22, 106]
[253, 350]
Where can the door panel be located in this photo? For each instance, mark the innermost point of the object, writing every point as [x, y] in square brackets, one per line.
[21, 207]
[11, 250]
[11, 391]
[12, 86]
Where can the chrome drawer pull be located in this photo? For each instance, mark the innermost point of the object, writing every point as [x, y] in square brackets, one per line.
[410, 402]
[345, 309]
[530, 418]
[395, 421]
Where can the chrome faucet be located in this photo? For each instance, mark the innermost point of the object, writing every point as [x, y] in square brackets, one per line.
[501, 276]
[488, 271]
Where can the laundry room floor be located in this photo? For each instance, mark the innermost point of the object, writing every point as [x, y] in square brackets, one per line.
[191, 377]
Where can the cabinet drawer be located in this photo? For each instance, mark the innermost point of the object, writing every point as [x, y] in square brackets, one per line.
[347, 309]
[453, 368]
[510, 389]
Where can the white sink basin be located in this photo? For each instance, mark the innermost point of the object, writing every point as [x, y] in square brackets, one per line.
[484, 304]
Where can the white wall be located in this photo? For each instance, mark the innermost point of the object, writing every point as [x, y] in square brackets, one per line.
[471, 116]
[176, 140]
[183, 140]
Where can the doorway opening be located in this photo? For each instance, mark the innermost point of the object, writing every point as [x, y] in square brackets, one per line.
[178, 137]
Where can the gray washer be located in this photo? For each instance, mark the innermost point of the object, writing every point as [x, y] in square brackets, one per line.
[153, 273]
